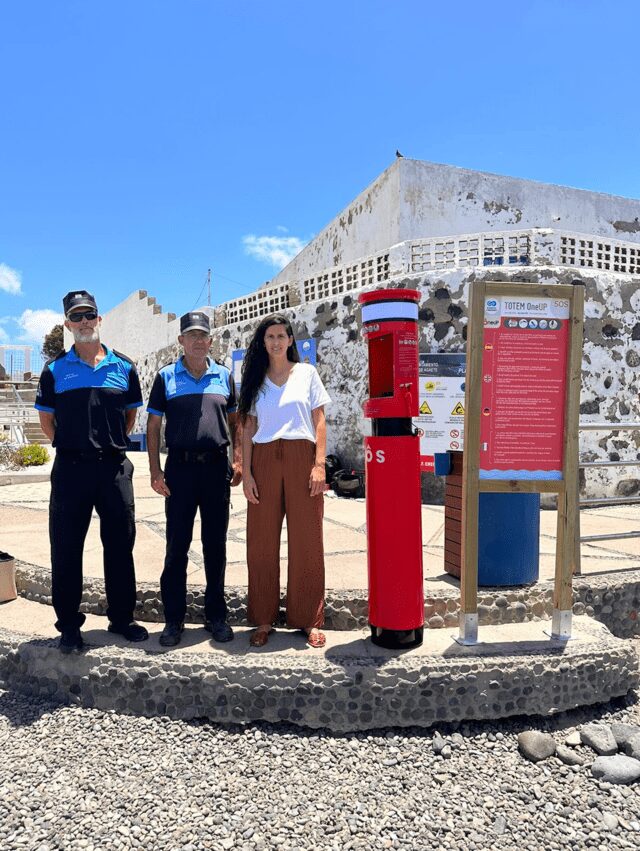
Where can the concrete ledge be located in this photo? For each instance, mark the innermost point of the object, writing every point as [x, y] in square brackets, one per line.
[343, 609]
[350, 685]
[613, 599]
[21, 478]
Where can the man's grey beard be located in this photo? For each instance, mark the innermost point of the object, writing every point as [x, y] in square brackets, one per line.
[88, 335]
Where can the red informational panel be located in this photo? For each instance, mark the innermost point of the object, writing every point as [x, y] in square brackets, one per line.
[524, 368]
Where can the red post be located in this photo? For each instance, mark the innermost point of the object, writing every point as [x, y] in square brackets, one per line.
[392, 458]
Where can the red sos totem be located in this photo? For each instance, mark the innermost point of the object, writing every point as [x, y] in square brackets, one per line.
[392, 457]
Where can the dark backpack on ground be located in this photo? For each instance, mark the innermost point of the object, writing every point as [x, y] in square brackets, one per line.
[349, 483]
[332, 465]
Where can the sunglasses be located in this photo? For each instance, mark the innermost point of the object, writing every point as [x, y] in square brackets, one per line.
[89, 315]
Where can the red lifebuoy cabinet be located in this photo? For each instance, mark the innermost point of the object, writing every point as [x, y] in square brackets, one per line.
[392, 459]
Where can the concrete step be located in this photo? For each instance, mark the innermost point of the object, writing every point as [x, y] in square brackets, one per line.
[348, 685]
[34, 433]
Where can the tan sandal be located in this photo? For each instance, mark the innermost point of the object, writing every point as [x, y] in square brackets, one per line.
[316, 639]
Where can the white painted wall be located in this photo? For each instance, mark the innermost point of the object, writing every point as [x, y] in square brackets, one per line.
[136, 326]
[414, 199]
[438, 200]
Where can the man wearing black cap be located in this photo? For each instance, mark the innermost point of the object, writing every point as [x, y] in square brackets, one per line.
[87, 400]
[198, 398]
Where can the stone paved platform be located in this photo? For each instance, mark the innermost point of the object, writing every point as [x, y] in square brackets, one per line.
[24, 533]
[349, 685]
[608, 590]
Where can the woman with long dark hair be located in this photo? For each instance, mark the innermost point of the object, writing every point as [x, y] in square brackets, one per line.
[284, 445]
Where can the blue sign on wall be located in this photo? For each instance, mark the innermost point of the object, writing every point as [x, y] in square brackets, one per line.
[306, 350]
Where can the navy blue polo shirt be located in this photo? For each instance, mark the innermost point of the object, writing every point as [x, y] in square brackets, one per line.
[196, 410]
[89, 402]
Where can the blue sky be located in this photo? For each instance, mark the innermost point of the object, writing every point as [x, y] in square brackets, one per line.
[142, 142]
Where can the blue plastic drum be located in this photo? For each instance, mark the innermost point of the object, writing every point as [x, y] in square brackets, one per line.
[508, 538]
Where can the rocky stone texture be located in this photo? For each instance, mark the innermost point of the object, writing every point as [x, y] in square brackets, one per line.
[614, 601]
[535, 745]
[623, 733]
[600, 738]
[573, 739]
[75, 778]
[339, 690]
[569, 756]
[632, 746]
[616, 769]
[605, 739]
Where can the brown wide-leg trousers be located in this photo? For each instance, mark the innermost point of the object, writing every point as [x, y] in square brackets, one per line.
[281, 470]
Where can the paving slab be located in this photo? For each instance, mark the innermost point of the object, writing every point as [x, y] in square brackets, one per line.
[24, 533]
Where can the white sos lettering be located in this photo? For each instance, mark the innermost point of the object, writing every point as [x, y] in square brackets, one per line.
[379, 456]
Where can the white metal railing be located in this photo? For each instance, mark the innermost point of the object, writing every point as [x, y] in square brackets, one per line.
[15, 413]
[625, 426]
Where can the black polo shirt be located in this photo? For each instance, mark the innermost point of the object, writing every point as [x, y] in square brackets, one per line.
[196, 409]
[88, 402]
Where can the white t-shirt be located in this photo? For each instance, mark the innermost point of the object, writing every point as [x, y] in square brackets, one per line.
[284, 413]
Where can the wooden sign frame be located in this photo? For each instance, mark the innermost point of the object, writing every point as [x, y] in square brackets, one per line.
[567, 541]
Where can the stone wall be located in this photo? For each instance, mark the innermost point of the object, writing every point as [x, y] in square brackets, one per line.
[350, 686]
[610, 385]
[610, 380]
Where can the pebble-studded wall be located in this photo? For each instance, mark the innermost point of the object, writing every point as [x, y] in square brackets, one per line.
[610, 375]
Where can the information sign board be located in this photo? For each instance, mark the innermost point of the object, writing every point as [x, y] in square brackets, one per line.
[524, 366]
[441, 420]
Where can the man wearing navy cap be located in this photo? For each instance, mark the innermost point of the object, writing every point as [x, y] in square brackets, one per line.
[87, 400]
[198, 398]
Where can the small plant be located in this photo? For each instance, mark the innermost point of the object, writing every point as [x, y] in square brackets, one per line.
[31, 455]
[7, 456]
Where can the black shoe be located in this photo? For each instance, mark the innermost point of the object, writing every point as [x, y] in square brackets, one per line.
[70, 640]
[131, 631]
[170, 635]
[220, 630]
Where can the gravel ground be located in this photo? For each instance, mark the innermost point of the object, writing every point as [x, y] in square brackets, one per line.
[78, 778]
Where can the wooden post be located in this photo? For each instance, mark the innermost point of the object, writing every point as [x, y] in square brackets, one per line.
[566, 550]
[470, 468]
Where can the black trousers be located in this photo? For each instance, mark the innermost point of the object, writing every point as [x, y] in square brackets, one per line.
[78, 485]
[205, 486]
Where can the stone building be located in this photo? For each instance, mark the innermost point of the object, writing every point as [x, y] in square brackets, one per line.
[438, 229]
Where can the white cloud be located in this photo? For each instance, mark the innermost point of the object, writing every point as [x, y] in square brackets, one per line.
[35, 324]
[275, 250]
[30, 327]
[10, 280]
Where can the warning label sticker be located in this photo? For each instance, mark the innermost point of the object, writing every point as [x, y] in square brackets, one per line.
[442, 387]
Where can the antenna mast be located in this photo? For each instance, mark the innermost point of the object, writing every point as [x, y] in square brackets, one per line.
[209, 287]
